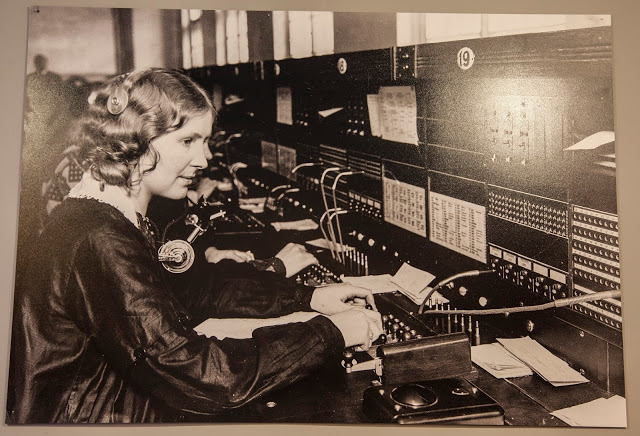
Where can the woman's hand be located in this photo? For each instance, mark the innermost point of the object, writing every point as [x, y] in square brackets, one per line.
[214, 255]
[340, 297]
[295, 258]
[358, 326]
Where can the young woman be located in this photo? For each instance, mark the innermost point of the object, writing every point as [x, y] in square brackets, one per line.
[98, 334]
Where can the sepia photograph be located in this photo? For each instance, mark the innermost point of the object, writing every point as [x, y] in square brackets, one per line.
[269, 216]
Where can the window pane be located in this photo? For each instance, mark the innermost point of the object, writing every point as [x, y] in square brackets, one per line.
[502, 24]
[300, 41]
[280, 35]
[186, 39]
[195, 14]
[449, 27]
[322, 32]
[576, 21]
[233, 55]
[197, 44]
[221, 41]
[411, 28]
[243, 38]
[184, 18]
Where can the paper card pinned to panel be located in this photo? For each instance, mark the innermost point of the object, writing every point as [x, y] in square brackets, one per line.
[284, 111]
[593, 141]
[398, 114]
[328, 112]
[607, 164]
[374, 117]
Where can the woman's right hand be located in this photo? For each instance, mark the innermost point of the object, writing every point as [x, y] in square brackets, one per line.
[358, 326]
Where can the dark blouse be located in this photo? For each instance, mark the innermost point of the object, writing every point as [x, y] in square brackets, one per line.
[98, 335]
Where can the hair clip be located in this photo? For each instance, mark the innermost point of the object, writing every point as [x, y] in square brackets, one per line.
[118, 98]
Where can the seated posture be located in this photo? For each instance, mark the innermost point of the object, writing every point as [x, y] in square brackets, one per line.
[99, 335]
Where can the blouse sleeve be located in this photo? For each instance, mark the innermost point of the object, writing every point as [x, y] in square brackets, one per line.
[144, 331]
[232, 290]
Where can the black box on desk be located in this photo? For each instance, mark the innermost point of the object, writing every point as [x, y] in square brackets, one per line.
[445, 401]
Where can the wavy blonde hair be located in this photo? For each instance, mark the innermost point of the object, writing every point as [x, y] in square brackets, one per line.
[159, 101]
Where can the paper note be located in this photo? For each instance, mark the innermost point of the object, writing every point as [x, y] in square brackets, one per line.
[398, 114]
[404, 206]
[374, 117]
[594, 141]
[329, 112]
[242, 328]
[498, 362]
[232, 99]
[413, 282]
[269, 155]
[610, 412]
[377, 284]
[551, 368]
[284, 111]
[325, 244]
[458, 225]
[412, 279]
[607, 164]
[306, 224]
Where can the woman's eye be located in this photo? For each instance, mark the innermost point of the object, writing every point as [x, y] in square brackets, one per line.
[187, 141]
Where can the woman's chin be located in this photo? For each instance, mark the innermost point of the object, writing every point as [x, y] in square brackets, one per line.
[176, 194]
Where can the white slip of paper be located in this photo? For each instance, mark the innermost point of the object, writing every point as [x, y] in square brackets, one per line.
[611, 412]
[411, 279]
[242, 328]
[325, 244]
[306, 224]
[543, 362]
[377, 284]
[498, 362]
[411, 282]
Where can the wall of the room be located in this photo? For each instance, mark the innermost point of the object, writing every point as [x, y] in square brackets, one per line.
[74, 40]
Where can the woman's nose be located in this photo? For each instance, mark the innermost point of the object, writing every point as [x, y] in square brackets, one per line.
[201, 158]
[207, 151]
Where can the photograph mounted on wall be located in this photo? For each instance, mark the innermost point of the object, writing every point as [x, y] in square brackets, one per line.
[233, 216]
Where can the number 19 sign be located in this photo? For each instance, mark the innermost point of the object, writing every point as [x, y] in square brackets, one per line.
[465, 58]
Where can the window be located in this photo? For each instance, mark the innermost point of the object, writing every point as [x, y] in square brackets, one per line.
[237, 42]
[299, 34]
[192, 38]
[417, 28]
[227, 32]
[446, 27]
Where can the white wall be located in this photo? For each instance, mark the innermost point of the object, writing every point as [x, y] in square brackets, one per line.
[74, 40]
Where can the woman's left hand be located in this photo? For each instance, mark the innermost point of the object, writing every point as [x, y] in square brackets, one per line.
[214, 255]
[295, 258]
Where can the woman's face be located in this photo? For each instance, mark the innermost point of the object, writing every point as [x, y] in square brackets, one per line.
[180, 154]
